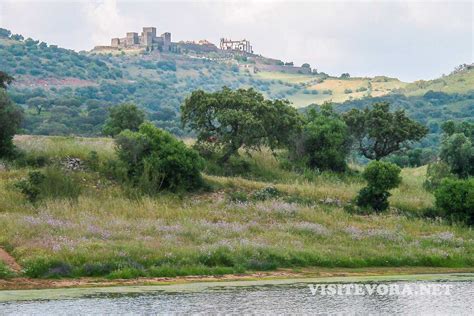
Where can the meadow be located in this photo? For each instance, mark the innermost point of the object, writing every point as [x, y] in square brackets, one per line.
[232, 227]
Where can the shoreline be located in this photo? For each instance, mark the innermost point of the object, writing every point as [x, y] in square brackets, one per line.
[321, 274]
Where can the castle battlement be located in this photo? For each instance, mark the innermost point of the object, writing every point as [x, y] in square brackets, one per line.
[147, 39]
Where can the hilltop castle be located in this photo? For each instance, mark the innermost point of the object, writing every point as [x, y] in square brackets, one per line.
[147, 39]
[243, 45]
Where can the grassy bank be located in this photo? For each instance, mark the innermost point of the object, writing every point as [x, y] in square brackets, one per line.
[109, 232]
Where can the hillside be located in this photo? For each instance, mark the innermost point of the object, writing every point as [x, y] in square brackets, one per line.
[461, 80]
[64, 92]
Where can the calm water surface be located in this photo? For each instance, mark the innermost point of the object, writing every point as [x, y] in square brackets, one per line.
[261, 299]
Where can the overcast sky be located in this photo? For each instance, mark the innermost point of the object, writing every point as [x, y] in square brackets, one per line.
[405, 39]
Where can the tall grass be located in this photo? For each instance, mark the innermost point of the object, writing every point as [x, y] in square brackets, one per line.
[105, 233]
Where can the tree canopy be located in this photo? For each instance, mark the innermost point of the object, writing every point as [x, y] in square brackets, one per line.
[378, 132]
[324, 141]
[122, 117]
[232, 119]
[457, 148]
[10, 118]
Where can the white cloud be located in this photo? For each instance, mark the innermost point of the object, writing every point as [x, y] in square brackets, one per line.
[105, 20]
[407, 39]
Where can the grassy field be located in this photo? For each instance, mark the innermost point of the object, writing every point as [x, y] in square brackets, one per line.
[107, 232]
[340, 89]
[458, 82]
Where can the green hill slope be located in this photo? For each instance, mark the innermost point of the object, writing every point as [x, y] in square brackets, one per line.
[75, 89]
[461, 80]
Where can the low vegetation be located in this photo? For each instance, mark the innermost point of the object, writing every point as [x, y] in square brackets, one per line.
[287, 220]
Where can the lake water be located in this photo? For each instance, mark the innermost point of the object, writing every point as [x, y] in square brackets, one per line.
[294, 298]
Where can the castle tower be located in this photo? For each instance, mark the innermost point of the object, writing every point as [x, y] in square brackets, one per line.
[115, 42]
[131, 39]
[148, 36]
[166, 41]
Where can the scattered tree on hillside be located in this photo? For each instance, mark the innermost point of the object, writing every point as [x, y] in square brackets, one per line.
[455, 199]
[324, 141]
[377, 132]
[457, 149]
[228, 120]
[10, 118]
[38, 104]
[5, 80]
[122, 117]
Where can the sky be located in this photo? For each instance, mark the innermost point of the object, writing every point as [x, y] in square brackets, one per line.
[410, 40]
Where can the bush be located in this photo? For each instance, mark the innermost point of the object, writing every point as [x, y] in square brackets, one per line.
[154, 160]
[53, 183]
[324, 141]
[376, 199]
[266, 193]
[122, 117]
[457, 151]
[435, 174]
[381, 177]
[455, 198]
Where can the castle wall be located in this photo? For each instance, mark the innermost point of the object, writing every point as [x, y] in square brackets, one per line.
[147, 39]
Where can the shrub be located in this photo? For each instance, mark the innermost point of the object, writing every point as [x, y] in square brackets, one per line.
[266, 194]
[435, 173]
[5, 272]
[455, 198]
[122, 117]
[381, 177]
[154, 160]
[376, 199]
[53, 183]
[457, 151]
[324, 141]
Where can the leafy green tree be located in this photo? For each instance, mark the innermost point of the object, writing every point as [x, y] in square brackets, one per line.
[10, 118]
[324, 141]
[122, 117]
[381, 177]
[377, 132]
[457, 148]
[38, 104]
[455, 198]
[154, 160]
[5, 80]
[229, 120]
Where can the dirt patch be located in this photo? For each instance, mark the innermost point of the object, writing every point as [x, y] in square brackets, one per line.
[9, 260]
[28, 283]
